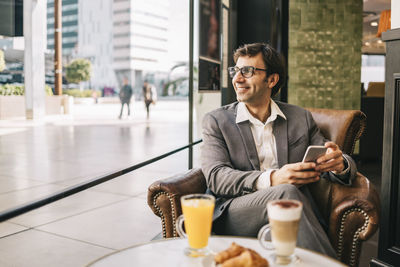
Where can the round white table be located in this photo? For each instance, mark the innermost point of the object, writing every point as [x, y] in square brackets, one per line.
[169, 252]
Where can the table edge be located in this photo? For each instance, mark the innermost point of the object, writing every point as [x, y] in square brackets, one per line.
[213, 236]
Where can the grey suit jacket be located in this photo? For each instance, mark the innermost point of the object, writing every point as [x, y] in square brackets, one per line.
[229, 157]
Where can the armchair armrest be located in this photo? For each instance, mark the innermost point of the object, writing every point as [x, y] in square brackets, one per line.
[354, 218]
[163, 197]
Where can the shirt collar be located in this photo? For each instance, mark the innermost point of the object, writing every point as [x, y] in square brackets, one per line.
[243, 113]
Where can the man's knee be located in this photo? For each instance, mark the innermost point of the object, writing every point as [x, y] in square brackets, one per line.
[262, 197]
[287, 191]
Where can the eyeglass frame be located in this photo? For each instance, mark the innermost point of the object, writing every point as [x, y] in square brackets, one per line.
[237, 69]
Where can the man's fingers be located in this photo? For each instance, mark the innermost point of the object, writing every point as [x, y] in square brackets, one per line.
[301, 166]
[331, 145]
[330, 166]
[327, 165]
[329, 156]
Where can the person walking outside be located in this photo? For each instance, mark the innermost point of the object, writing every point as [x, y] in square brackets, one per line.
[149, 96]
[125, 96]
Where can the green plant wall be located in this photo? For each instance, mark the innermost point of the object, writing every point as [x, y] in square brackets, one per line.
[325, 53]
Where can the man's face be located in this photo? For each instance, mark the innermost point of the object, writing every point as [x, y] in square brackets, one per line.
[253, 91]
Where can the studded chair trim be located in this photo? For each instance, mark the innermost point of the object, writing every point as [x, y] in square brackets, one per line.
[162, 216]
[355, 241]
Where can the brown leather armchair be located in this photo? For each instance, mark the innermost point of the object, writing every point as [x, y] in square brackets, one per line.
[352, 212]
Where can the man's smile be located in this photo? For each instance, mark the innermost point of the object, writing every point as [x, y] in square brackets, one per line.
[242, 87]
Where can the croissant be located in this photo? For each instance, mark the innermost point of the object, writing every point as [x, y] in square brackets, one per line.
[238, 256]
[248, 258]
[233, 251]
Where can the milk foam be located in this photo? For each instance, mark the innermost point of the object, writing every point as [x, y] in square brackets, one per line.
[276, 212]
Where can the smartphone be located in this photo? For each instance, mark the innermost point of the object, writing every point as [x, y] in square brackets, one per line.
[313, 153]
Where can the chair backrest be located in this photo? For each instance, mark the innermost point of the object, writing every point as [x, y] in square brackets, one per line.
[344, 127]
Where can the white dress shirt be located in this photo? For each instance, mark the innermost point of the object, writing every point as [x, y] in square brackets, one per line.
[264, 140]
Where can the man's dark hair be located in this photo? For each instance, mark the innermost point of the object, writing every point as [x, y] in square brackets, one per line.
[274, 62]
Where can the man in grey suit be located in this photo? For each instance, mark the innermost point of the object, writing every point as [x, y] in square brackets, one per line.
[253, 149]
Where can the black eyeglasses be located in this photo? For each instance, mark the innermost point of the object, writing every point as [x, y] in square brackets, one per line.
[246, 71]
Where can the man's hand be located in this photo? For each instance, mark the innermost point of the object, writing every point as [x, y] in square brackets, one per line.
[296, 174]
[332, 160]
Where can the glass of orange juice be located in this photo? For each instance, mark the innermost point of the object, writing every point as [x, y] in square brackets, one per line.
[197, 215]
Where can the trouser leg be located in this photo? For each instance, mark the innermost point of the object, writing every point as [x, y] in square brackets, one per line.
[129, 109]
[122, 108]
[148, 109]
[247, 214]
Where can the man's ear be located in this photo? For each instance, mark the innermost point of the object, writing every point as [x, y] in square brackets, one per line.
[272, 80]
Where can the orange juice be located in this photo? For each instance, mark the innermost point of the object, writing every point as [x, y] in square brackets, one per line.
[198, 215]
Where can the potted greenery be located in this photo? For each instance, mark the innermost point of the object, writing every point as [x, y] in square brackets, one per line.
[12, 101]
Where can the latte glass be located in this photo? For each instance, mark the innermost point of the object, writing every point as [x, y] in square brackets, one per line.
[197, 215]
[284, 217]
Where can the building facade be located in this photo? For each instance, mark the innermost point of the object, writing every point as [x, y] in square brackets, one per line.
[95, 41]
[140, 39]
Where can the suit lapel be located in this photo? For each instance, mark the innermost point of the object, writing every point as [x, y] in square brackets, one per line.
[248, 140]
[281, 137]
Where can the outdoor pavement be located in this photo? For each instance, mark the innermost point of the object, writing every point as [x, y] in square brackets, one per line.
[42, 157]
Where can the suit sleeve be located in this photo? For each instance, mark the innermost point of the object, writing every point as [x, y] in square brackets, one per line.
[221, 176]
[316, 138]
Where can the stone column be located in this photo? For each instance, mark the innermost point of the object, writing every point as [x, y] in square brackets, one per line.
[325, 53]
[35, 44]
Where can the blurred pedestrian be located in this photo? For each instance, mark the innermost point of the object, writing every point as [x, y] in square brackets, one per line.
[149, 96]
[95, 97]
[125, 95]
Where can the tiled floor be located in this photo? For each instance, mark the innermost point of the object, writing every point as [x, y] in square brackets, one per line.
[39, 158]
